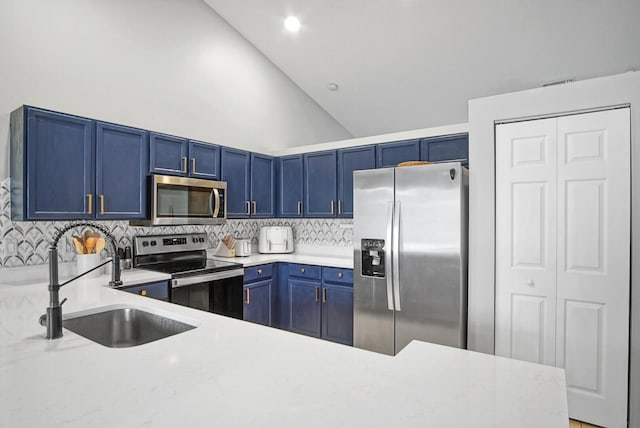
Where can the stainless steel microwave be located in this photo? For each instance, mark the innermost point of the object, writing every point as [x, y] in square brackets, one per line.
[180, 200]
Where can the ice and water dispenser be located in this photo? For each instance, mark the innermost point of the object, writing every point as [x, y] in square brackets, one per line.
[373, 257]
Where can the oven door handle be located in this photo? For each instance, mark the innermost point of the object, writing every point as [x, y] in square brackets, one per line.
[198, 279]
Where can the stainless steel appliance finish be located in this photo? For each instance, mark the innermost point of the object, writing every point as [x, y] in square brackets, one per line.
[197, 282]
[181, 200]
[123, 327]
[410, 256]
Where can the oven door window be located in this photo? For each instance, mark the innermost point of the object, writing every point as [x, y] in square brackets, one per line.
[223, 296]
[184, 201]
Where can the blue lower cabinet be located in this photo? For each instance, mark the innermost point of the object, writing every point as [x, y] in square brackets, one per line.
[337, 313]
[304, 298]
[258, 286]
[257, 302]
[156, 290]
[320, 301]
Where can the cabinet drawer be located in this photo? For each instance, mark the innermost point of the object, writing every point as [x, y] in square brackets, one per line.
[156, 290]
[340, 275]
[258, 272]
[305, 271]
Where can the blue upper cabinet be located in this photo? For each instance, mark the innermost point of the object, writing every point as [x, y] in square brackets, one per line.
[448, 148]
[349, 160]
[250, 181]
[235, 169]
[121, 168]
[391, 154]
[52, 161]
[204, 160]
[263, 179]
[168, 155]
[74, 168]
[290, 186]
[320, 182]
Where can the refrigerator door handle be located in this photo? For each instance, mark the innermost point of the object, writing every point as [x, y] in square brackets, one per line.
[396, 256]
[387, 260]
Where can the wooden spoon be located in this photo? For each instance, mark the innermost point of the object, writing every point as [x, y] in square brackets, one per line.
[90, 243]
[99, 245]
[79, 244]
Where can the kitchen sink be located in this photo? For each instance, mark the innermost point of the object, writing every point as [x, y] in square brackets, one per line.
[123, 326]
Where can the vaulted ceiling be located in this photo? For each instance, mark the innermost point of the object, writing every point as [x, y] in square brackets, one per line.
[409, 64]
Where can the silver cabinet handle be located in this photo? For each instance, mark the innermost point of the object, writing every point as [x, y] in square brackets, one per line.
[339, 206]
[184, 165]
[332, 205]
[248, 207]
[90, 203]
[396, 256]
[193, 165]
[101, 197]
[299, 208]
[255, 209]
[387, 260]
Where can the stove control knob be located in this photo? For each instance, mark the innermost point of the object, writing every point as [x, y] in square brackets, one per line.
[194, 240]
[145, 244]
[201, 239]
[153, 243]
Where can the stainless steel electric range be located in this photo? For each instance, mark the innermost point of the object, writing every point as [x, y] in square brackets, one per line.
[196, 281]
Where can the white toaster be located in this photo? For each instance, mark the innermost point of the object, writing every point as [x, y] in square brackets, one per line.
[275, 239]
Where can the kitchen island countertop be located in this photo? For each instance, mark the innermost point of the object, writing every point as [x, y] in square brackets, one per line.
[232, 373]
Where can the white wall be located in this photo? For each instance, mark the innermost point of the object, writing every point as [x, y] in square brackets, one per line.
[607, 91]
[169, 66]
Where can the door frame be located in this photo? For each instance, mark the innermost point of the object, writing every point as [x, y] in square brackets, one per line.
[540, 102]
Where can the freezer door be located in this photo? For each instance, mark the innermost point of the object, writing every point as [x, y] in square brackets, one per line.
[373, 316]
[431, 303]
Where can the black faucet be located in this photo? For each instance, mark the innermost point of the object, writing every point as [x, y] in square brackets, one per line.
[53, 318]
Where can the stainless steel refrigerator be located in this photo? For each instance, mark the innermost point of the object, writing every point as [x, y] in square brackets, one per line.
[410, 256]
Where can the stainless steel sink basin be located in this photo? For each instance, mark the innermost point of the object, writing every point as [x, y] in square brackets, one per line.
[123, 326]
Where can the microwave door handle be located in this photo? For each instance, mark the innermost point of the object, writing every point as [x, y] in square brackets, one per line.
[215, 196]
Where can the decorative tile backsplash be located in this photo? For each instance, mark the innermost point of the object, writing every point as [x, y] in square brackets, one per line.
[27, 242]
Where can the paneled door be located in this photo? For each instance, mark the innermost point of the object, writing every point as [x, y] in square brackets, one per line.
[562, 254]
[525, 241]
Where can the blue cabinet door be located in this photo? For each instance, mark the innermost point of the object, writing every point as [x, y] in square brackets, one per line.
[168, 154]
[290, 186]
[320, 182]
[304, 307]
[349, 160]
[257, 302]
[234, 165]
[337, 313]
[263, 186]
[204, 160]
[391, 154]
[59, 153]
[121, 170]
[448, 148]
[280, 304]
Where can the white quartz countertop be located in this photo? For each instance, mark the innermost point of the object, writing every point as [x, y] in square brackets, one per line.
[330, 256]
[231, 373]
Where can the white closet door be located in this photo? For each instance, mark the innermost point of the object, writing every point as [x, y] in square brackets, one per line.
[593, 264]
[526, 240]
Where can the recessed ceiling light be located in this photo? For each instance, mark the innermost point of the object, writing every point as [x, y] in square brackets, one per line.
[292, 24]
[332, 86]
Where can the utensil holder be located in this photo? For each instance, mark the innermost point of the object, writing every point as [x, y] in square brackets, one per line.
[84, 262]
